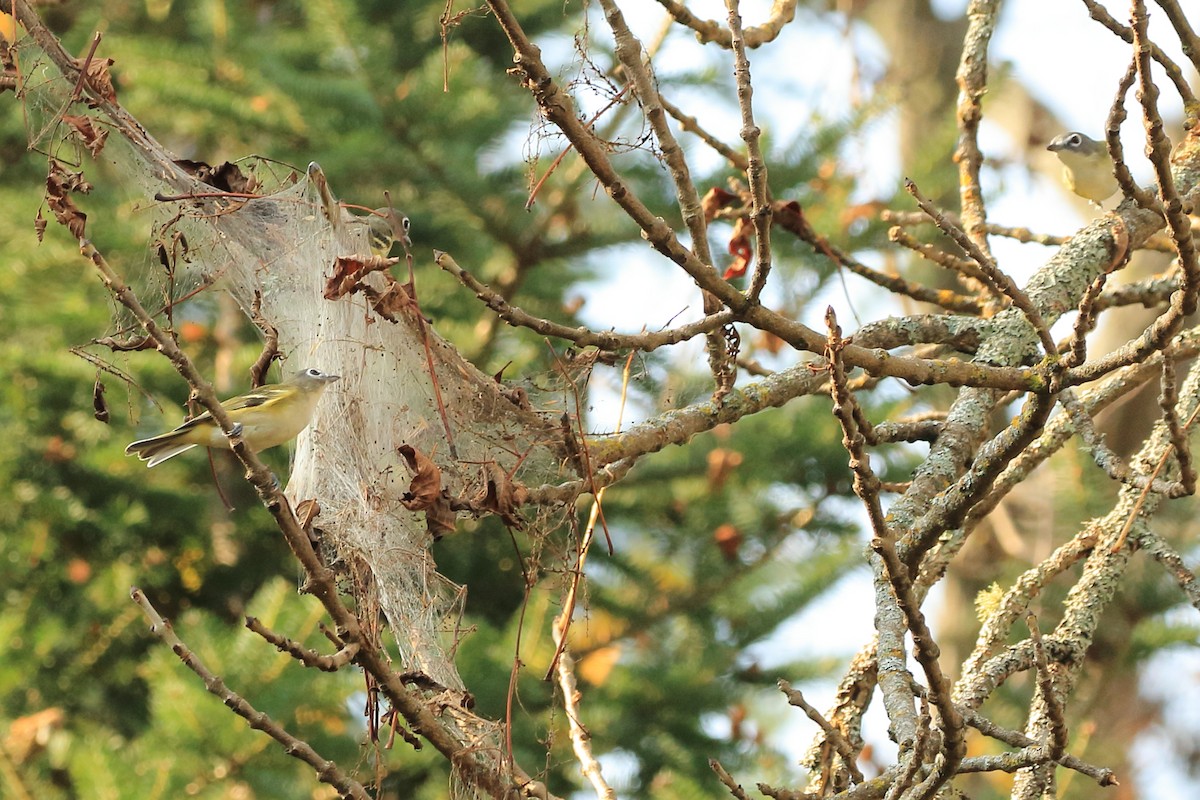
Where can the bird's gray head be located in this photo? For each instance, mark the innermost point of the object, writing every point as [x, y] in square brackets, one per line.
[1076, 142]
[312, 378]
[391, 221]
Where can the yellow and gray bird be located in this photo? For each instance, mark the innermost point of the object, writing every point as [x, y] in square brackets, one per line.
[268, 416]
[386, 226]
[1087, 167]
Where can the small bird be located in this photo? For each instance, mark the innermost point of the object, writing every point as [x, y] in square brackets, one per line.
[387, 225]
[268, 416]
[1087, 167]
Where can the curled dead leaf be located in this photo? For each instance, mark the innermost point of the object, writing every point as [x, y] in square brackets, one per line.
[99, 405]
[307, 511]
[503, 496]
[99, 77]
[85, 129]
[226, 177]
[59, 185]
[714, 200]
[740, 249]
[349, 272]
[426, 483]
[425, 493]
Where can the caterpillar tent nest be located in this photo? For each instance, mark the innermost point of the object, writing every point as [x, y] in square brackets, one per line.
[407, 405]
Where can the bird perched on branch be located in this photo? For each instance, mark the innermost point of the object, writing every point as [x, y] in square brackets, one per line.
[268, 416]
[387, 226]
[1087, 167]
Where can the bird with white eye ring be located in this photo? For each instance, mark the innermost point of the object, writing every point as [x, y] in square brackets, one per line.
[1087, 167]
[387, 226]
[265, 417]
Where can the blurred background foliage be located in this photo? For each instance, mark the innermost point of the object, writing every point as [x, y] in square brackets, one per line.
[717, 545]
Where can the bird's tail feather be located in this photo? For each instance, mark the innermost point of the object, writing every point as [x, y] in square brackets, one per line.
[158, 449]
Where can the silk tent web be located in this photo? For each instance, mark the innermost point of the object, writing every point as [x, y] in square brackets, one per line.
[276, 251]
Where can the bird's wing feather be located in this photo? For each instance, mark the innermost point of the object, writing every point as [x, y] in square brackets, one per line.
[260, 397]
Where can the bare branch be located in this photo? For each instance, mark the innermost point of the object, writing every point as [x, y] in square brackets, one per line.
[307, 657]
[584, 337]
[327, 771]
[1180, 82]
[580, 736]
[782, 12]
[972, 77]
[832, 734]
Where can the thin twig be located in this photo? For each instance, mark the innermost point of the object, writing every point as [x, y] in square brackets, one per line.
[1102, 775]
[1168, 401]
[725, 778]
[270, 351]
[327, 771]
[782, 12]
[1158, 149]
[584, 337]
[690, 124]
[1112, 138]
[1180, 81]
[971, 77]
[789, 216]
[307, 657]
[832, 734]
[756, 170]
[996, 278]
[645, 85]
[1172, 561]
[1054, 706]
[1188, 40]
[580, 736]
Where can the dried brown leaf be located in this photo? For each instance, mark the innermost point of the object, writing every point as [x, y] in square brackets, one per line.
[503, 496]
[392, 301]
[740, 249]
[440, 519]
[306, 512]
[99, 77]
[99, 405]
[425, 493]
[64, 208]
[226, 177]
[426, 484]
[344, 279]
[714, 200]
[85, 128]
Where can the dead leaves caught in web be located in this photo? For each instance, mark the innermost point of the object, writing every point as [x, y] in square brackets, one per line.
[426, 493]
[349, 274]
[85, 128]
[226, 177]
[60, 184]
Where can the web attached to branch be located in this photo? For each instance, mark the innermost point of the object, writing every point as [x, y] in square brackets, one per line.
[401, 383]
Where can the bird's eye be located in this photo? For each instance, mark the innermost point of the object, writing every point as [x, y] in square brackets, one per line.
[1074, 140]
[405, 223]
[313, 373]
